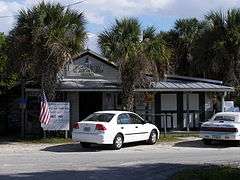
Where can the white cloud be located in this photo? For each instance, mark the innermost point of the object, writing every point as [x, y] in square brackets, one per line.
[94, 18]
[98, 12]
[92, 42]
[8, 9]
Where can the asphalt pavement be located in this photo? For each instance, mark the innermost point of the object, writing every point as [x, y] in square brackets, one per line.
[19, 161]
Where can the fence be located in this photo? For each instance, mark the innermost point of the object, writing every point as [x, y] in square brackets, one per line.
[168, 121]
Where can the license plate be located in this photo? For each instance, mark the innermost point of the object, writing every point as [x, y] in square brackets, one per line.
[216, 137]
[87, 129]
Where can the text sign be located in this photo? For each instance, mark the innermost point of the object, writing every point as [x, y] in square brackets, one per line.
[60, 116]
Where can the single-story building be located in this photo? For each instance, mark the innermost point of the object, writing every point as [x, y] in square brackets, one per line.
[91, 83]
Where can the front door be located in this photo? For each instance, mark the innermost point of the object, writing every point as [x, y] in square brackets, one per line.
[89, 102]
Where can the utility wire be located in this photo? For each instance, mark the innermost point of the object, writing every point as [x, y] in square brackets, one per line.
[72, 4]
[6, 16]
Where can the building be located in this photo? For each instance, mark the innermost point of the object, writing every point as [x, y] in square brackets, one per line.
[91, 83]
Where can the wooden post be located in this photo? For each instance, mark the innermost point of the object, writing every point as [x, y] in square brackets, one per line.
[66, 134]
[44, 134]
[165, 125]
[22, 106]
[223, 101]
[188, 118]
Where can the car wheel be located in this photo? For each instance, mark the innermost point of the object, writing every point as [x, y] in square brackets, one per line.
[85, 145]
[153, 137]
[207, 141]
[117, 142]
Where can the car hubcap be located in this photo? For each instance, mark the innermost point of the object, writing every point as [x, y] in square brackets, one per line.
[119, 142]
[154, 137]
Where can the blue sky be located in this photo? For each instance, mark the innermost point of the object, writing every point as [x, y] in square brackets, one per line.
[100, 14]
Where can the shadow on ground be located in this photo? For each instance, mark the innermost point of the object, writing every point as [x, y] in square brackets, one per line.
[158, 171]
[7, 140]
[199, 144]
[76, 147]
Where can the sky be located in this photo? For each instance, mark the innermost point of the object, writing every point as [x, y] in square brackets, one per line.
[100, 14]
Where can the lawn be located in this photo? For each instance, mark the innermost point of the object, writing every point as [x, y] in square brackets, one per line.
[209, 173]
[173, 137]
[47, 140]
[35, 140]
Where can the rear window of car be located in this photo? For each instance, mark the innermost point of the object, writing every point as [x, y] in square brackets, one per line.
[100, 117]
[225, 118]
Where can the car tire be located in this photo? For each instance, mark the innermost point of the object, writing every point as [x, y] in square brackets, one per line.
[153, 137]
[85, 145]
[117, 142]
[207, 141]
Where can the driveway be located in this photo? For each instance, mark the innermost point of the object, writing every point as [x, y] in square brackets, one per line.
[136, 161]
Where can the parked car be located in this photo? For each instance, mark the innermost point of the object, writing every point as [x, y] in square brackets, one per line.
[224, 126]
[115, 128]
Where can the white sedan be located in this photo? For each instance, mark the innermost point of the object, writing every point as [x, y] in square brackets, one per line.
[222, 126]
[115, 128]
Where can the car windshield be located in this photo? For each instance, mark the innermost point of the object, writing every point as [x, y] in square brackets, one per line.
[100, 117]
[225, 118]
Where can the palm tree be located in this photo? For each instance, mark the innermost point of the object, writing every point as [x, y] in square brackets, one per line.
[123, 44]
[156, 51]
[223, 40]
[7, 76]
[45, 38]
[182, 40]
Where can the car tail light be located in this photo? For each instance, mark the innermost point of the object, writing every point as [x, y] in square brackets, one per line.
[219, 129]
[76, 126]
[100, 127]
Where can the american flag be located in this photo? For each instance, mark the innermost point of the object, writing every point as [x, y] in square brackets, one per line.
[44, 117]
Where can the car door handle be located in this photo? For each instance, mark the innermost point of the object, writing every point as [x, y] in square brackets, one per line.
[122, 127]
[136, 127]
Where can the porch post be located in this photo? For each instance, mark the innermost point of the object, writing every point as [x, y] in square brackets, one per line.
[223, 100]
[188, 117]
[180, 110]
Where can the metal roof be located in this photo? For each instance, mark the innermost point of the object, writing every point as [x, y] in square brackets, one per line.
[91, 85]
[161, 86]
[185, 85]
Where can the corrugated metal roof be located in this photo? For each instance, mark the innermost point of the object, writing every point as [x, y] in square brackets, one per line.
[88, 85]
[164, 85]
[184, 85]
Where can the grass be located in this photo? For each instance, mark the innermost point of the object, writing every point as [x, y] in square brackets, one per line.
[168, 138]
[209, 173]
[173, 137]
[37, 140]
[47, 141]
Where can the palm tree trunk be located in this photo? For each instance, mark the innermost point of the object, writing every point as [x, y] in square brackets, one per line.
[127, 90]
[128, 99]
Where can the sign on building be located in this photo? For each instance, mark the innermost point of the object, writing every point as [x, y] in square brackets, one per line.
[60, 116]
[229, 107]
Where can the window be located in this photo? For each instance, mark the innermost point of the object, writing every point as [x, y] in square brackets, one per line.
[224, 118]
[123, 119]
[135, 119]
[100, 117]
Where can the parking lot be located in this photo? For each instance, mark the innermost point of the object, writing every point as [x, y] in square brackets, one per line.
[135, 161]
